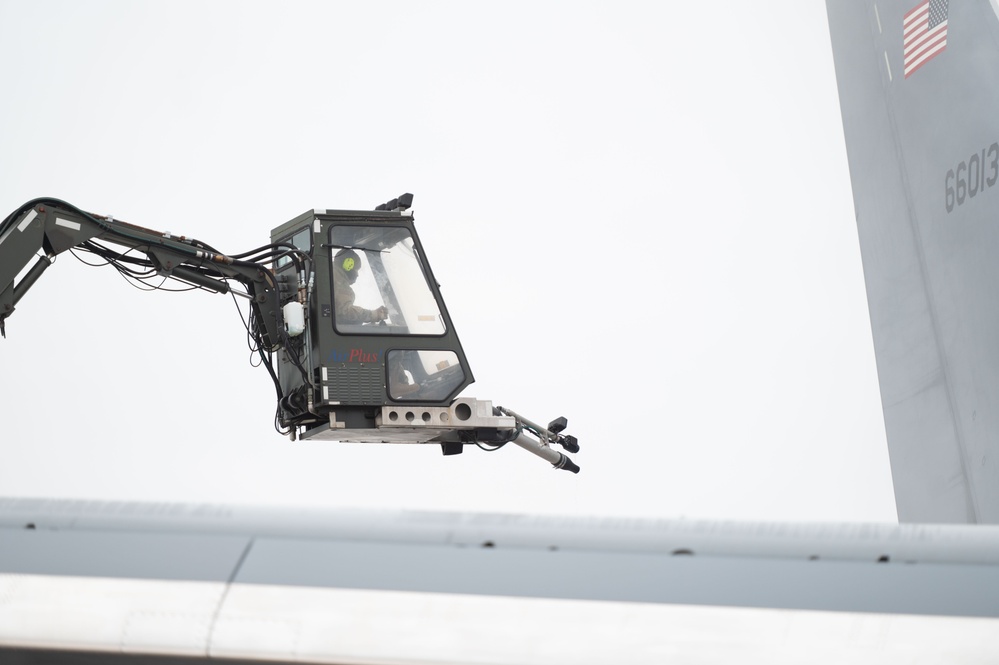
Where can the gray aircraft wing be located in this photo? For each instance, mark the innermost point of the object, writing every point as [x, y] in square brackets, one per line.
[153, 582]
[918, 91]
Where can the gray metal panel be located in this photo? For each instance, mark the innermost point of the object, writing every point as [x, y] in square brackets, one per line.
[925, 569]
[898, 588]
[854, 542]
[175, 556]
[355, 384]
[292, 225]
[932, 279]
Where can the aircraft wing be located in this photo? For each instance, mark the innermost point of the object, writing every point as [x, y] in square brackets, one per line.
[154, 581]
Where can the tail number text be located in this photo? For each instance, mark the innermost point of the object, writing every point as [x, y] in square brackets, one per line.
[971, 177]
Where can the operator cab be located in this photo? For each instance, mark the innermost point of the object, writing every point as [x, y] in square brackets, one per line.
[377, 331]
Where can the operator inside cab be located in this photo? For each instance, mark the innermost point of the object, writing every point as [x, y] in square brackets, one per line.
[346, 267]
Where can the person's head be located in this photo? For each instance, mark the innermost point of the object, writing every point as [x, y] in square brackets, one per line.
[349, 262]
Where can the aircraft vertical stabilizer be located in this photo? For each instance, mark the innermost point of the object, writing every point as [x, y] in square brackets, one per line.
[919, 97]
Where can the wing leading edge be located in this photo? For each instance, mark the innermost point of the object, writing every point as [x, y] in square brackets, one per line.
[216, 582]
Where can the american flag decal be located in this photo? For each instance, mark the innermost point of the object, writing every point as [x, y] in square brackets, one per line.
[924, 34]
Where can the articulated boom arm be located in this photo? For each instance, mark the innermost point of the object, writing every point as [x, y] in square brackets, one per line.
[345, 314]
[49, 227]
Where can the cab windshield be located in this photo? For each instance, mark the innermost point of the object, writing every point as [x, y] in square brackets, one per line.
[380, 284]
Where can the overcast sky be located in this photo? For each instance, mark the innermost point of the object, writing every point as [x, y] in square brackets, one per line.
[640, 215]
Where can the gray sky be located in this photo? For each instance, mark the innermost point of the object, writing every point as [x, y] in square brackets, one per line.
[640, 215]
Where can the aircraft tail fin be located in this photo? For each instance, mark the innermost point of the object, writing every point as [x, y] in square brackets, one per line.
[920, 105]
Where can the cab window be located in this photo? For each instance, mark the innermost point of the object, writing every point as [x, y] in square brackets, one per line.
[379, 283]
[423, 376]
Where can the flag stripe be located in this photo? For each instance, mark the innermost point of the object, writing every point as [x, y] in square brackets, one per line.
[936, 34]
[915, 31]
[923, 60]
[915, 9]
[915, 14]
[927, 50]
